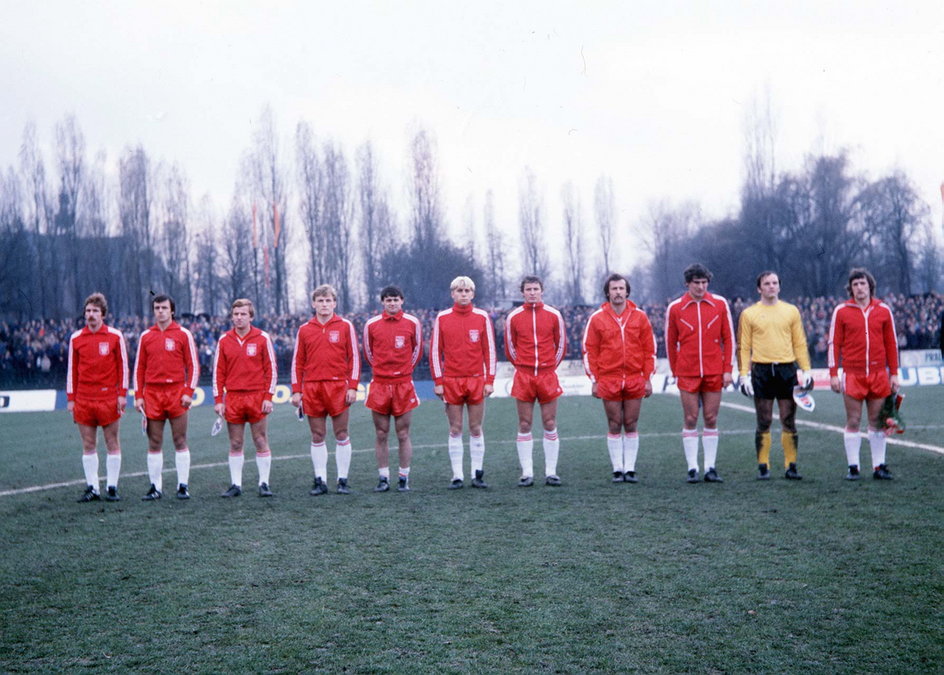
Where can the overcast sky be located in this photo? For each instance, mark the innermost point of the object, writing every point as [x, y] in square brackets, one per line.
[654, 94]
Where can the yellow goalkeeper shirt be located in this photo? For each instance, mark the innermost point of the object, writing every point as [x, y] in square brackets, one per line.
[771, 334]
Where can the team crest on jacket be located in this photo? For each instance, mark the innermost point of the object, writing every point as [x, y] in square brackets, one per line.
[169, 344]
[251, 349]
[399, 341]
[334, 336]
[103, 348]
[474, 335]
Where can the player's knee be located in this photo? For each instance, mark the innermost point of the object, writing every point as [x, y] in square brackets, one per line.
[524, 426]
[403, 435]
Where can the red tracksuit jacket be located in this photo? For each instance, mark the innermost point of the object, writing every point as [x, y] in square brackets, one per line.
[98, 364]
[618, 345]
[462, 345]
[863, 340]
[244, 364]
[167, 357]
[393, 346]
[699, 336]
[535, 339]
[327, 352]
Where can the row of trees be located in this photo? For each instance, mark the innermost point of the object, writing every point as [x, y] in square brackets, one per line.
[315, 215]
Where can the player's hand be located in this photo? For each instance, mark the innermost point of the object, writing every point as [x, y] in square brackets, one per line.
[122, 404]
[593, 390]
[745, 386]
[266, 407]
[805, 379]
[296, 399]
[70, 406]
[895, 382]
[726, 380]
[219, 409]
[139, 405]
[438, 390]
[488, 390]
[648, 390]
[186, 401]
[834, 384]
[350, 396]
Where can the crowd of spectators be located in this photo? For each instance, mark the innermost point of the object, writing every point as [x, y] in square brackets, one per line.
[33, 354]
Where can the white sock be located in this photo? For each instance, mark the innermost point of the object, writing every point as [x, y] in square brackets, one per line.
[384, 472]
[112, 469]
[525, 445]
[90, 465]
[877, 441]
[455, 456]
[264, 464]
[342, 457]
[477, 452]
[155, 464]
[182, 458]
[551, 451]
[319, 460]
[614, 445]
[852, 440]
[404, 472]
[690, 446]
[709, 441]
[630, 450]
[236, 468]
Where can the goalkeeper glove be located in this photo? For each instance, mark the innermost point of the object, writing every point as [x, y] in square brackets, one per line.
[746, 386]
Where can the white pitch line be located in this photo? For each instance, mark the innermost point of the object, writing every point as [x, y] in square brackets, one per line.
[216, 465]
[892, 440]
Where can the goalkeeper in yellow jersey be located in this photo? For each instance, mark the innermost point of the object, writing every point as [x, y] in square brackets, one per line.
[772, 359]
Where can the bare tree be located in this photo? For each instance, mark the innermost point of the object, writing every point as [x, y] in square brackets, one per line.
[604, 208]
[531, 223]
[427, 218]
[175, 237]
[311, 198]
[339, 220]
[208, 287]
[375, 219]
[134, 212]
[669, 230]
[16, 259]
[573, 244]
[268, 188]
[38, 216]
[238, 259]
[495, 249]
[70, 156]
[894, 217]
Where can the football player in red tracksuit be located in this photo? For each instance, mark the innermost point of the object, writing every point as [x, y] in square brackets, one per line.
[699, 340]
[863, 341]
[97, 390]
[535, 342]
[619, 355]
[326, 366]
[462, 359]
[393, 345]
[166, 371]
[244, 377]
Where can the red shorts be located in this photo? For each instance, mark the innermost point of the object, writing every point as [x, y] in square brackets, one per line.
[162, 401]
[243, 406]
[97, 412]
[392, 398]
[698, 385]
[468, 390]
[544, 386]
[872, 386]
[324, 398]
[620, 389]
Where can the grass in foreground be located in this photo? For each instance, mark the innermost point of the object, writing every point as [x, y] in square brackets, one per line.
[820, 575]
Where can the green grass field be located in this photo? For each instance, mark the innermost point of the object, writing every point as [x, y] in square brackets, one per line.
[820, 575]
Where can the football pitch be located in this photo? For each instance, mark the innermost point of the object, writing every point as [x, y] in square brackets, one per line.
[819, 575]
